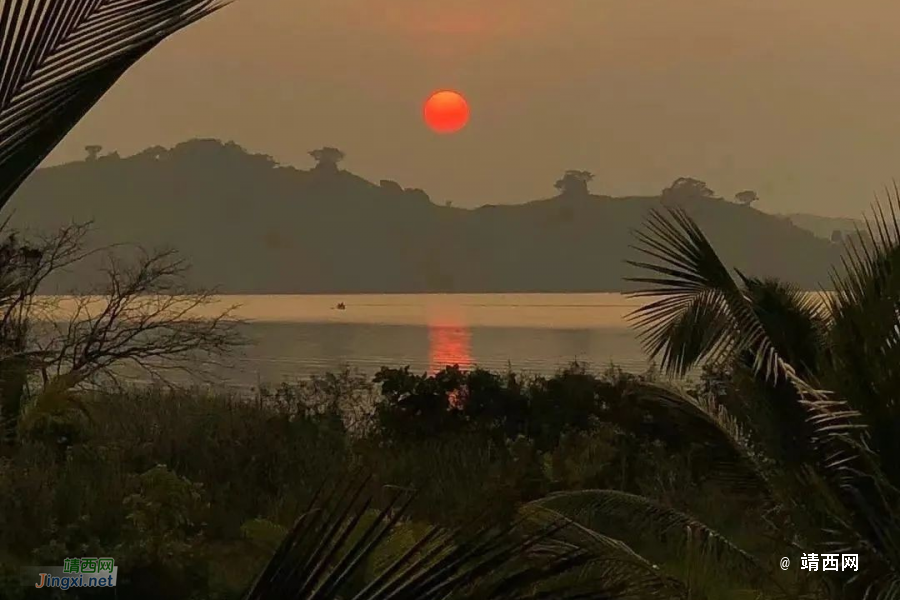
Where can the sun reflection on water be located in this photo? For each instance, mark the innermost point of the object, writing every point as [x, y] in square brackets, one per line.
[449, 345]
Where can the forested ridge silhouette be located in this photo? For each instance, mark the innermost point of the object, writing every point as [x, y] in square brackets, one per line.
[250, 225]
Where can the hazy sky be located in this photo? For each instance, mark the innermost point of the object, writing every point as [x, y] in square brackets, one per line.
[797, 99]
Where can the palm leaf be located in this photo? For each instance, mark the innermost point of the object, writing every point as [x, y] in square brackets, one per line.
[693, 289]
[865, 332]
[59, 57]
[688, 318]
[860, 430]
[604, 509]
[325, 555]
[729, 455]
[613, 561]
[794, 321]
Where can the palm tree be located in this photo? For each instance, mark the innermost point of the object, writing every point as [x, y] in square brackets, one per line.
[810, 424]
[58, 58]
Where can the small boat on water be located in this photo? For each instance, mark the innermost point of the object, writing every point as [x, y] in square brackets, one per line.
[341, 306]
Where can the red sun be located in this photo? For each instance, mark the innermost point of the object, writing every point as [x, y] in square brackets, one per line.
[446, 111]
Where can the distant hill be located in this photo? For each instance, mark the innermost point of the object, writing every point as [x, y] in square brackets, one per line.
[249, 225]
[824, 227]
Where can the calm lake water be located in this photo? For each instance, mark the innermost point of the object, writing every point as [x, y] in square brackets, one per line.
[295, 336]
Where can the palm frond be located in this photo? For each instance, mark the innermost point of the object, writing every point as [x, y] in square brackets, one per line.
[688, 318]
[600, 510]
[693, 290]
[794, 321]
[613, 562]
[864, 338]
[59, 57]
[689, 270]
[326, 554]
[725, 447]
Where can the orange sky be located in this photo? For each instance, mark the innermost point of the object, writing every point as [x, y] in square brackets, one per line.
[797, 99]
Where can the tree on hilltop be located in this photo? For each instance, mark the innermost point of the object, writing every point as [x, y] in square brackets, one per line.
[93, 151]
[327, 158]
[746, 198]
[574, 183]
[687, 187]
